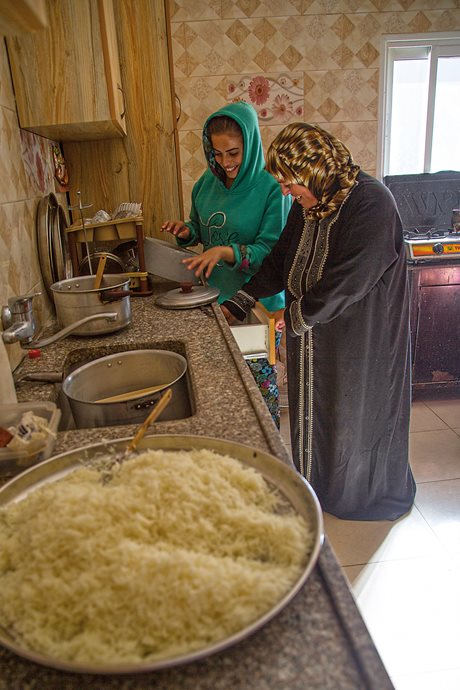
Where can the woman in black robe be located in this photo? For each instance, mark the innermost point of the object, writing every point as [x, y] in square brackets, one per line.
[341, 260]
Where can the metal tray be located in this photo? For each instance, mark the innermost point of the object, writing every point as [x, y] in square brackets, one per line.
[288, 481]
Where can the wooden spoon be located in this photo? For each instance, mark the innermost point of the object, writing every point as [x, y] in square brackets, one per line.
[120, 457]
[154, 414]
[100, 271]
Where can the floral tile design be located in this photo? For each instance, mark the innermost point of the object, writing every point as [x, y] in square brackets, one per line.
[37, 157]
[277, 98]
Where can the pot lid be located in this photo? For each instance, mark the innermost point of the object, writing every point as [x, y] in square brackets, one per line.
[195, 296]
[53, 252]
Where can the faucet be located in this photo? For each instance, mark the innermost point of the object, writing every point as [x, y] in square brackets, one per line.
[19, 323]
[18, 319]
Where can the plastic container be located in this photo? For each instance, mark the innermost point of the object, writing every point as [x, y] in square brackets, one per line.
[13, 461]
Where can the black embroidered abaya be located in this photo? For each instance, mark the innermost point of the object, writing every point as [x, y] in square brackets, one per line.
[348, 354]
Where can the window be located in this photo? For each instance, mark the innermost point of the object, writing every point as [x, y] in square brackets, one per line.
[420, 105]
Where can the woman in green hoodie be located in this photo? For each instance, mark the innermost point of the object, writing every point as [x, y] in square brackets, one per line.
[237, 214]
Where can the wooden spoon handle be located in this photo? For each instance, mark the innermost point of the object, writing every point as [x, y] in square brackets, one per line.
[100, 272]
[132, 395]
[154, 413]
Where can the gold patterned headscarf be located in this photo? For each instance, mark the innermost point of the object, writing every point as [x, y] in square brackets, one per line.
[307, 155]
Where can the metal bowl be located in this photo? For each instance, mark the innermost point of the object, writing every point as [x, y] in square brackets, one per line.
[291, 484]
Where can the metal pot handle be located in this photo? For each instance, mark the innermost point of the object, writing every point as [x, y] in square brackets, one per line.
[112, 295]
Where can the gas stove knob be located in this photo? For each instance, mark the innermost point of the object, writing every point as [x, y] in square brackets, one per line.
[438, 248]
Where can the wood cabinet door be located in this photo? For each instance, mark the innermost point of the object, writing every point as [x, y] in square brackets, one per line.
[143, 166]
[67, 77]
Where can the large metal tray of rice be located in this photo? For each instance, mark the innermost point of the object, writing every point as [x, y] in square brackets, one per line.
[190, 546]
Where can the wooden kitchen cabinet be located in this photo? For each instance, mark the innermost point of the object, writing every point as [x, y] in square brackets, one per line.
[142, 167]
[67, 77]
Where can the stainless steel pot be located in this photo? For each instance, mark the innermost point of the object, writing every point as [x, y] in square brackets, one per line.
[76, 298]
[120, 373]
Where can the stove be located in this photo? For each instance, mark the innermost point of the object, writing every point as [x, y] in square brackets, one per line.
[434, 244]
[426, 203]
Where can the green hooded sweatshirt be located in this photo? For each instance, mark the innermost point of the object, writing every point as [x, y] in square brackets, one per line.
[249, 216]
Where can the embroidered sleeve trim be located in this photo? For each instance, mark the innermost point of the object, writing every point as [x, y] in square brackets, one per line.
[298, 324]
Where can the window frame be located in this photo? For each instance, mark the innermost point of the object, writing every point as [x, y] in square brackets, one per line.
[410, 46]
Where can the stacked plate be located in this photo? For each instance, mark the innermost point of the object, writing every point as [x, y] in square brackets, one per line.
[53, 248]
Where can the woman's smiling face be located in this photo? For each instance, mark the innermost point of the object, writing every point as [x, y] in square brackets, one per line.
[228, 152]
[300, 193]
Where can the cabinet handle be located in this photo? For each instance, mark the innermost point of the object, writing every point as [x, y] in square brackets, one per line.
[180, 107]
[124, 110]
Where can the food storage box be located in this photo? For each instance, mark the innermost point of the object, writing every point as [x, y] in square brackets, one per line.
[13, 461]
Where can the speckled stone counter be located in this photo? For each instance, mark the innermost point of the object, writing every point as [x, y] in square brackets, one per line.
[319, 641]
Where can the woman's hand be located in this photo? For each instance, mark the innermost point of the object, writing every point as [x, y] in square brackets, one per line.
[228, 316]
[208, 260]
[279, 319]
[176, 228]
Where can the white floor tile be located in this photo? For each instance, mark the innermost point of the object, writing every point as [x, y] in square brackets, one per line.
[412, 611]
[439, 504]
[435, 455]
[447, 410]
[405, 575]
[360, 542]
[424, 419]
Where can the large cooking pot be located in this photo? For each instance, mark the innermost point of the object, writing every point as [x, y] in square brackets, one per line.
[76, 298]
[128, 375]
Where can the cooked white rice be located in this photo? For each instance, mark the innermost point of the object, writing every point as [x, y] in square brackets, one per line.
[180, 550]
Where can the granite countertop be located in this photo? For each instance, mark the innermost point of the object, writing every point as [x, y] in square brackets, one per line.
[319, 641]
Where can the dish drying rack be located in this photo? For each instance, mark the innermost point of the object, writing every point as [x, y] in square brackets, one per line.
[124, 225]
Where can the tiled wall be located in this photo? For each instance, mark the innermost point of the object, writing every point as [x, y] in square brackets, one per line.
[26, 175]
[333, 46]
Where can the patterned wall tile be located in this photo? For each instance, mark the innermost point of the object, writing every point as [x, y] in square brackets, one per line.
[199, 97]
[300, 43]
[20, 267]
[26, 173]
[359, 137]
[17, 223]
[14, 183]
[6, 88]
[191, 10]
[341, 95]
